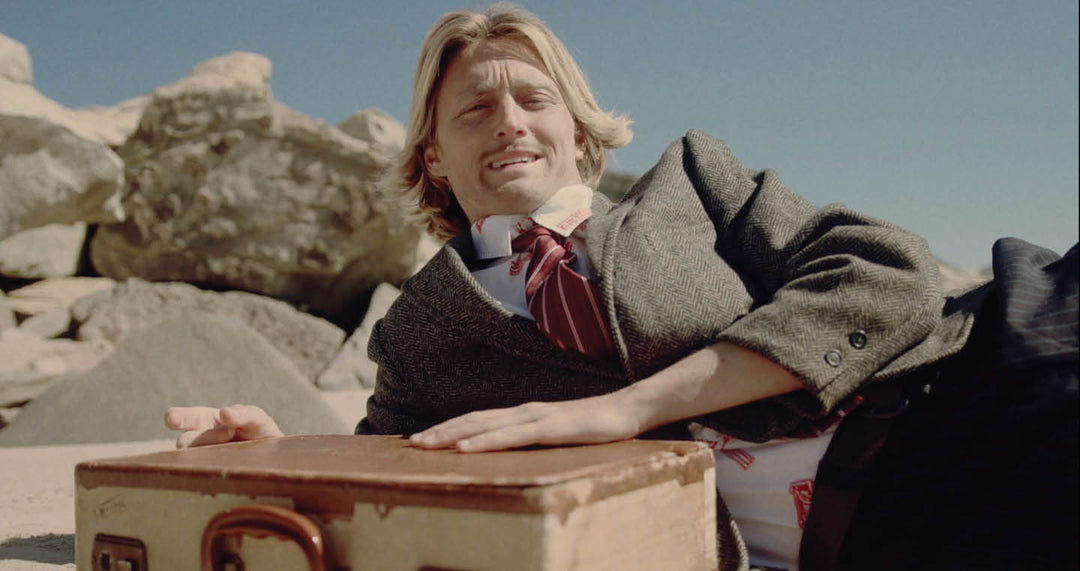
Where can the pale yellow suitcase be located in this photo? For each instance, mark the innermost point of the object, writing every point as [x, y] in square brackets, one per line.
[362, 503]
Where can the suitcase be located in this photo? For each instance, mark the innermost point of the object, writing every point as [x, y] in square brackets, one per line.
[362, 503]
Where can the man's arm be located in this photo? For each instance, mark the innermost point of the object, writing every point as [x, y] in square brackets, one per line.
[714, 378]
[840, 294]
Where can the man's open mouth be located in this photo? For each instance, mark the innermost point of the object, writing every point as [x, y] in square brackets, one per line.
[513, 160]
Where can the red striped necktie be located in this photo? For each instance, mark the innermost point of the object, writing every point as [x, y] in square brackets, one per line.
[564, 303]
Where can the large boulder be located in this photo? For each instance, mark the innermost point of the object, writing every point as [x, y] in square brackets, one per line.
[230, 189]
[192, 360]
[376, 127]
[15, 62]
[112, 124]
[45, 252]
[50, 324]
[308, 341]
[351, 368]
[54, 294]
[52, 168]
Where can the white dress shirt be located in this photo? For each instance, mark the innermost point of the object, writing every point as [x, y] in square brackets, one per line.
[501, 271]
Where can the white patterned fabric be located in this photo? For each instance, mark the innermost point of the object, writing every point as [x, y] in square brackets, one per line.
[767, 488]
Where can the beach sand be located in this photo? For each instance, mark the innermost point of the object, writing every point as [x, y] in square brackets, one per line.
[37, 514]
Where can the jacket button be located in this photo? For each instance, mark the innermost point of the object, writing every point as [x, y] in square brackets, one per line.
[857, 339]
[834, 358]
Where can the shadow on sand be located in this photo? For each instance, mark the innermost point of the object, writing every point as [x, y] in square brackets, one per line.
[55, 548]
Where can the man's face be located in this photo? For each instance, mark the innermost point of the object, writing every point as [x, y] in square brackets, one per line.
[504, 137]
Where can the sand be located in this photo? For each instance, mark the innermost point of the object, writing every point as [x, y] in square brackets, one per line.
[37, 516]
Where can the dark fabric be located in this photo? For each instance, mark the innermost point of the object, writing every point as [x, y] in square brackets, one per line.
[846, 469]
[981, 471]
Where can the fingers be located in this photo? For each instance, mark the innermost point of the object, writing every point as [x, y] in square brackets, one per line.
[204, 437]
[456, 430]
[204, 425]
[583, 421]
[250, 422]
[190, 417]
[548, 431]
[508, 437]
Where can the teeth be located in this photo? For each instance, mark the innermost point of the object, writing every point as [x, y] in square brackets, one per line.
[503, 163]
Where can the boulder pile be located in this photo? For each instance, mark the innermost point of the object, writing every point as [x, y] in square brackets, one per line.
[228, 188]
[200, 244]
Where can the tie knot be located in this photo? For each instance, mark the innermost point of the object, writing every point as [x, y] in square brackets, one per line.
[537, 236]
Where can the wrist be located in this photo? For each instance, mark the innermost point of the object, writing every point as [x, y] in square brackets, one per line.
[641, 409]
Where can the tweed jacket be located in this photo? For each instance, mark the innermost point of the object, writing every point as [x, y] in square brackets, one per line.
[700, 250]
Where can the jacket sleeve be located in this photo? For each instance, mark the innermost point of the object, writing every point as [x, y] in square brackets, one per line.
[839, 294]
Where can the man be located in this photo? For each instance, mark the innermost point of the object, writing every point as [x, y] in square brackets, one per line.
[711, 302]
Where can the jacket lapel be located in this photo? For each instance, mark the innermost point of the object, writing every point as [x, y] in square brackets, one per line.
[601, 243]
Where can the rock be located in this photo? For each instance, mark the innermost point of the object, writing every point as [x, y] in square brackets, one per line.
[425, 250]
[955, 279]
[55, 293]
[14, 62]
[230, 189]
[350, 405]
[376, 127]
[112, 124]
[46, 252]
[352, 368]
[308, 341]
[195, 359]
[29, 364]
[7, 316]
[52, 323]
[50, 174]
[108, 124]
[614, 184]
[52, 168]
[8, 414]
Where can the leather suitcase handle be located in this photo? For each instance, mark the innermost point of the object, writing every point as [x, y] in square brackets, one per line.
[260, 521]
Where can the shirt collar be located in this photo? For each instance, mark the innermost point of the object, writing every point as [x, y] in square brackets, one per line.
[562, 213]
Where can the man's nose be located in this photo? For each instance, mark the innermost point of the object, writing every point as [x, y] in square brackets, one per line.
[511, 121]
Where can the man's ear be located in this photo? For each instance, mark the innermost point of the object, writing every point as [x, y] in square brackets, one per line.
[433, 160]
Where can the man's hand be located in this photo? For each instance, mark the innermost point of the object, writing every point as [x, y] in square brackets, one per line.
[584, 421]
[717, 377]
[204, 425]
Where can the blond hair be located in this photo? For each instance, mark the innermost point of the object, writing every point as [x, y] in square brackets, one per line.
[430, 197]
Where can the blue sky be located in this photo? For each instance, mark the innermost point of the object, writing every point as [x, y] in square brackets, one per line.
[955, 119]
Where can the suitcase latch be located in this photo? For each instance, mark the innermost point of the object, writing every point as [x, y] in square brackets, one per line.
[116, 553]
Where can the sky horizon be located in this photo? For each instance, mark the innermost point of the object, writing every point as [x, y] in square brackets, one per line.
[956, 120]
